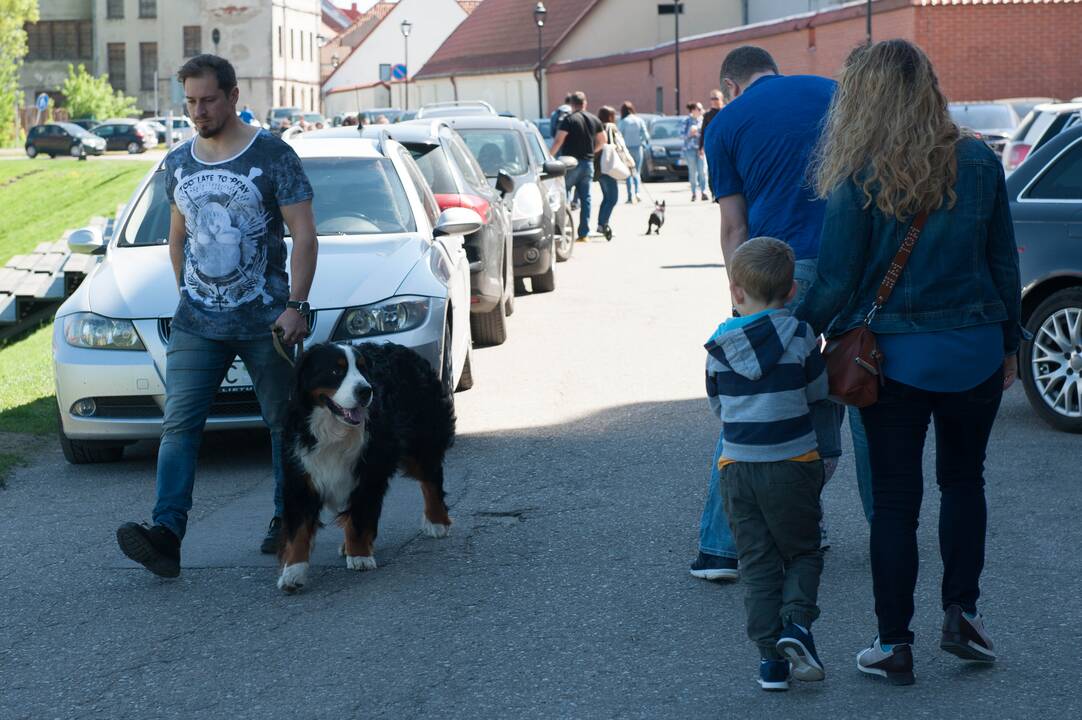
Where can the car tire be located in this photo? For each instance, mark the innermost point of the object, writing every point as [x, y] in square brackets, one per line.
[489, 328]
[86, 452]
[1054, 314]
[31, 152]
[565, 241]
[134, 148]
[546, 282]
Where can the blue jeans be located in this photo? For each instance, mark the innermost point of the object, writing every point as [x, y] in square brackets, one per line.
[863, 462]
[579, 179]
[610, 194]
[696, 171]
[634, 179]
[715, 537]
[195, 368]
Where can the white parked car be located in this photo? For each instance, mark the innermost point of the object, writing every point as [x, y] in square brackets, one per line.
[182, 124]
[391, 268]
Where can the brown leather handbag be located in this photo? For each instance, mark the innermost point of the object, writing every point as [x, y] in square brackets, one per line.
[854, 362]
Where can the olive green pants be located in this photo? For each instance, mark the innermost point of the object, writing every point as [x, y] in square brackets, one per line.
[774, 512]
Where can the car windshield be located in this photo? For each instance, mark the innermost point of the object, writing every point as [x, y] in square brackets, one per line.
[497, 150]
[73, 129]
[313, 117]
[434, 166]
[667, 128]
[353, 196]
[983, 117]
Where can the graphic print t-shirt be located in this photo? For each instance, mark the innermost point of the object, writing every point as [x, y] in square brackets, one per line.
[235, 284]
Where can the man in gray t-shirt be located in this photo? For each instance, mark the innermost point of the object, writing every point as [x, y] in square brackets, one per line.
[232, 190]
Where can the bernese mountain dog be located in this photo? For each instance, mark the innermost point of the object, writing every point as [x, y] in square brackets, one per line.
[357, 415]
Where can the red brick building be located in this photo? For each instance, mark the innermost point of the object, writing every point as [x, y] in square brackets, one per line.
[981, 49]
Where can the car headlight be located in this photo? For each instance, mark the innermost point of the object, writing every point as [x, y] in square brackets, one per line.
[87, 330]
[657, 151]
[389, 316]
[527, 208]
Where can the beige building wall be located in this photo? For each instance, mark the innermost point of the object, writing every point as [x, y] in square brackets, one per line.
[511, 92]
[271, 43]
[620, 25]
[47, 75]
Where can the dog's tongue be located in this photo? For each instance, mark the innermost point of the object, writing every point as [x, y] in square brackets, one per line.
[354, 415]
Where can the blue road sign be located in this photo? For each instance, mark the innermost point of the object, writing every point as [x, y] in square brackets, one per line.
[398, 72]
[43, 102]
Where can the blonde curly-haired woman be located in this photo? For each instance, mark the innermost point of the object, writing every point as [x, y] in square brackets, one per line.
[949, 332]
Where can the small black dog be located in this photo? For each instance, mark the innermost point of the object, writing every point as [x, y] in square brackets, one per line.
[657, 217]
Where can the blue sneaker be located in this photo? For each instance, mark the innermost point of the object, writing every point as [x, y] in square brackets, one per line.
[796, 644]
[774, 675]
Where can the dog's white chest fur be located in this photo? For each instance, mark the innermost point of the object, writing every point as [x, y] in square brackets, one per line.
[330, 463]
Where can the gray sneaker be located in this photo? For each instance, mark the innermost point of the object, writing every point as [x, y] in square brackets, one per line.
[896, 664]
[966, 638]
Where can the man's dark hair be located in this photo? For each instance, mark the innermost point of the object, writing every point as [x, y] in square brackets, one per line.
[567, 99]
[745, 61]
[206, 64]
[578, 99]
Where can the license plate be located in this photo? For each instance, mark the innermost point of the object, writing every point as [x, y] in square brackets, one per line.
[236, 379]
[680, 162]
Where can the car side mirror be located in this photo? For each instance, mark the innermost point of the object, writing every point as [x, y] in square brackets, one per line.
[569, 162]
[457, 221]
[505, 183]
[86, 241]
[553, 169]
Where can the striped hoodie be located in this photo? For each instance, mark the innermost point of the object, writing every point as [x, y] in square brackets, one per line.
[762, 372]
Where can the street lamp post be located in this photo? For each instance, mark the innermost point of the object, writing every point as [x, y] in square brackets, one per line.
[676, 52]
[539, 13]
[869, 23]
[406, 26]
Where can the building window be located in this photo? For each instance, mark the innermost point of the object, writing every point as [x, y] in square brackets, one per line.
[292, 44]
[117, 74]
[311, 46]
[281, 94]
[114, 10]
[281, 49]
[659, 98]
[293, 96]
[148, 8]
[59, 40]
[148, 65]
[193, 40]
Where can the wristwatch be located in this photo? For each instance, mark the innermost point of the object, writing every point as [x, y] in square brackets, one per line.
[300, 306]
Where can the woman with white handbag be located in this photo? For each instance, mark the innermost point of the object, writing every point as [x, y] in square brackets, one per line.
[614, 164]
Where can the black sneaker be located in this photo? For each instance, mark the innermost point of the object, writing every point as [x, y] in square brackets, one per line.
[714, 567]
[797, 645]
[895, 664]
[273, 538]
[774, 675]
[155, 548]
[607, 232]
[966, 638]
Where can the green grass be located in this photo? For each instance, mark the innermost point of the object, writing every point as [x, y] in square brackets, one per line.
[26, 384]
[42, 198]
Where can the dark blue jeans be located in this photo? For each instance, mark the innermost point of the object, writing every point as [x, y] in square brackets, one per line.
[579, 179]
[896, 426]
[195, 367]
[610, 194]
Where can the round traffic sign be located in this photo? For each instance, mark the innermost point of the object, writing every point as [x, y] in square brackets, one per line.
[398, 72]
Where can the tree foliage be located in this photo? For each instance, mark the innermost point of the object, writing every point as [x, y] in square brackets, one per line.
[14, 14]
[93, 97]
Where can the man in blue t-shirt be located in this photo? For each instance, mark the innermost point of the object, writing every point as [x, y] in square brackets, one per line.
[758, 148]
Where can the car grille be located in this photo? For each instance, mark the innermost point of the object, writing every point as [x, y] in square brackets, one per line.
[127, 406]
[165, 325]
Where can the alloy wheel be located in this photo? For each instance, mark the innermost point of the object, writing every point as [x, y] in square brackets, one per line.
[1057, 361]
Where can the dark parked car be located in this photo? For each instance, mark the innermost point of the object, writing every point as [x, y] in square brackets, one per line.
[664, 158]
[85, 123]
[1042, 124]
[54, 139]
[1046, 203]
[500, 145]
[131, 135]
[456, 181]
[544, 126]
[993, 122]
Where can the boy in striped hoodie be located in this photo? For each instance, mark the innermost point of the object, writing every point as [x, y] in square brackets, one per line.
[762, 371]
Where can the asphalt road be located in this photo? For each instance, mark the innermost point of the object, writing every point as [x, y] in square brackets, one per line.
[576, 485]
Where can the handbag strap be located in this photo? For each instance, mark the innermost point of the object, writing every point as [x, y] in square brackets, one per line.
[897, 265]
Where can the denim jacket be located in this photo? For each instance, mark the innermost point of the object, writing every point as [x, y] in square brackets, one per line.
[963, 270]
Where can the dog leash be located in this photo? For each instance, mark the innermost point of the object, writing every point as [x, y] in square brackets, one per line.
[276, 338]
